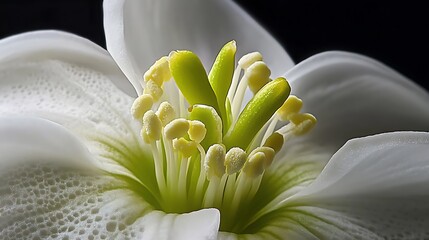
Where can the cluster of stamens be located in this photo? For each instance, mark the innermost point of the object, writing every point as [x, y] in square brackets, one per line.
[215, 154]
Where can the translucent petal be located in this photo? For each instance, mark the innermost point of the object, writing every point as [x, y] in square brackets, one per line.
[354, 96]
[372, 188]
[45, 78]
[47, 191]
[139, 32]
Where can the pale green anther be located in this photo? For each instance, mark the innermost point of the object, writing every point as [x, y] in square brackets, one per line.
[256, 113]
[220, 76]
[141, 105]
[255, 165]
[176, 128]
[214, 163]
[152, 127]
[191, 78]
[291, 106]
[165, 113]
[153, 89]
[212, 122]
[275, 141]
[304, 122]
[269, 154]
[197, 131]
[249, 59]
[235, 159]
[185, 147]
[258, 74]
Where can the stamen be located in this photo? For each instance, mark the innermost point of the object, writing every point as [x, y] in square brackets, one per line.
[185, 147]
[141, 105]
[234, 160]
[234, 83]
[197, 131]
[154, 90]
[176, 128]
[255, 166]
[152, 127]
[267, 151]
[158, 72]
[243, 63]
[291, 106]
[165, 113]
[274, 141]
[304, 122]
[258, 73]
[249, 59]
[214, 163]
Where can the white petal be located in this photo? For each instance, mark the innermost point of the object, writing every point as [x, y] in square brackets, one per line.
[49, 188]
[140, 32]
[42, 45]
[57, 76]
[373, 187]
[202, 224]
[354, 96]
[46, 189]
[22, 139]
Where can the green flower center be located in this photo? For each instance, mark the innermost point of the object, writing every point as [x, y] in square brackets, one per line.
[209, 151]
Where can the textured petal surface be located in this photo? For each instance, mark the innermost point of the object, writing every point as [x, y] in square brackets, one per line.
[140, 32]
[354, 96]
[48, 192]
[73, 88]
[372, 188]
[63, 46]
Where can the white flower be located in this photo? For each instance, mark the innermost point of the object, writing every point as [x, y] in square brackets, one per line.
[75, 166]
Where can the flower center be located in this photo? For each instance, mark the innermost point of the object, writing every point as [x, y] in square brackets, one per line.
[209, 150]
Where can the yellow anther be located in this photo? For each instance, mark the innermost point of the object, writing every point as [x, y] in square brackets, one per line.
[275, 141]
[141, 105]
[153, 89]
[151, 130]
[187, 148]
[258, 74]
[165, 113]
[159, 72]
[214, 163]
[304, 122]
[176, 128]
[197, 131]
[267, 151]
[255, 166]
[291, 106]
[234, 160]
[249, 59]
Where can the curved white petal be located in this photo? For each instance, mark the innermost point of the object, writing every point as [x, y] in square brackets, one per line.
[46, 190]
[202, 224]
[22, 139]
[73, 88]
[373, 188]
[140, 32]
[354, 96]
[41, 45]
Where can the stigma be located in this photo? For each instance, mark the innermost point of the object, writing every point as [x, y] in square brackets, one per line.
[213, 149]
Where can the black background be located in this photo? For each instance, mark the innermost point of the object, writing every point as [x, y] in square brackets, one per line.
[394, 33]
